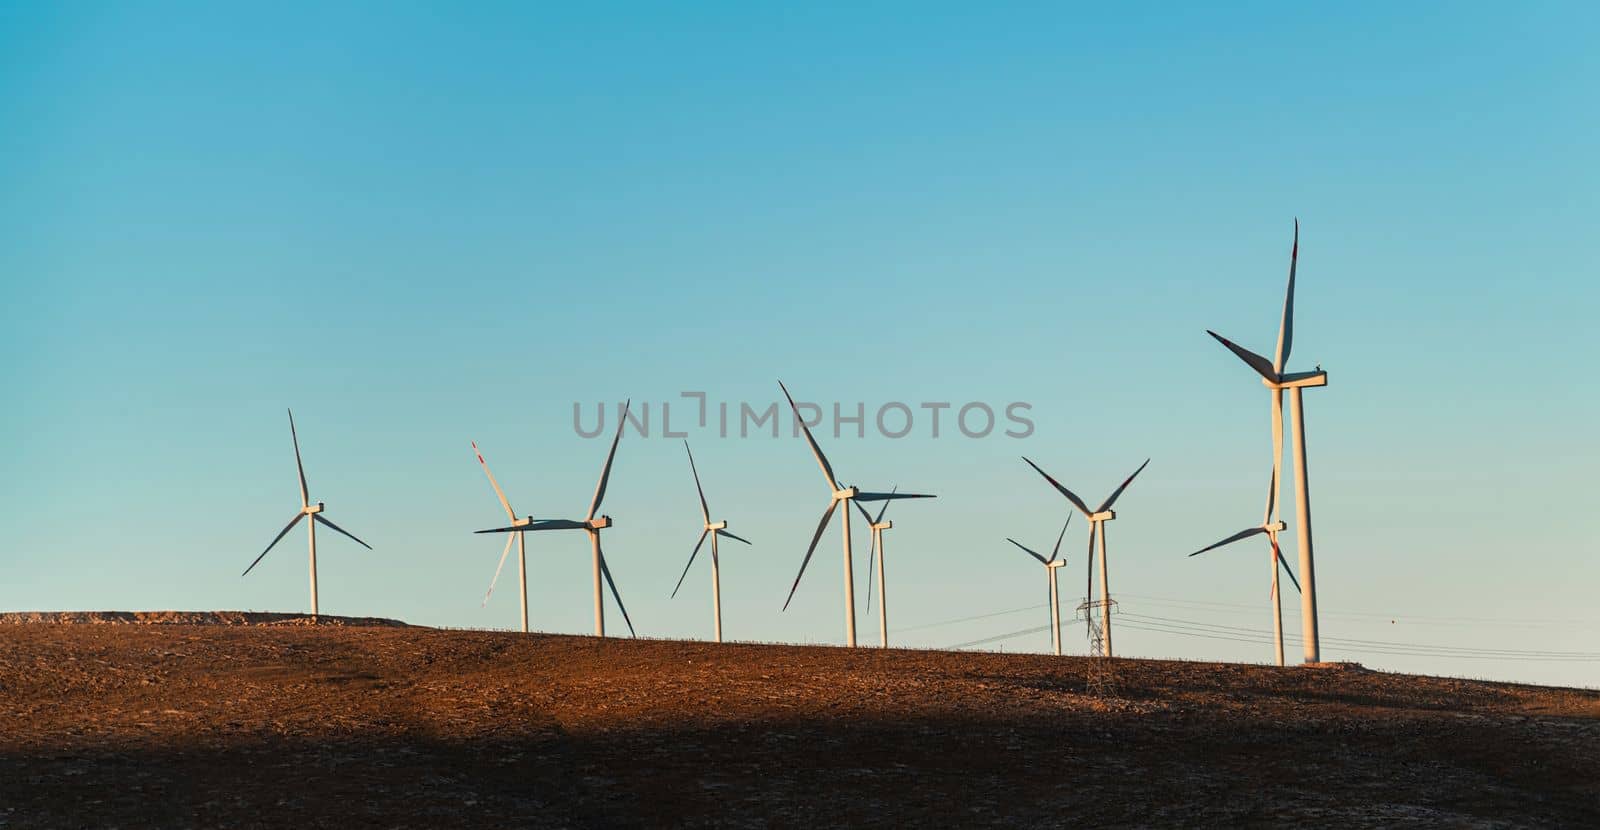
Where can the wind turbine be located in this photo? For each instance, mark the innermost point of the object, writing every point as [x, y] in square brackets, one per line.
[592, 525]
[875, 557]
[1276, 379]
[306, 509]
[713, 529]
[1097, 527]
[839, 493]
[1051, 566]
[520, 539]
[1271, 527]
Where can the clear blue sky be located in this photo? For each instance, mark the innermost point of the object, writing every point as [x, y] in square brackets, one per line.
[420, 226]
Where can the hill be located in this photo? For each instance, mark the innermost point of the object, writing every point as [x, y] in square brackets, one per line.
[178, 724]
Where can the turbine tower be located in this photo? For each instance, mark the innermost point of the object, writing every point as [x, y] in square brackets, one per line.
[592, 525]
[713, 529]
[520, 539]
[1097, 528]
[1277, 380]
[1051, 567]
[1271, 526]
[839, 493]
[875, 558]
[306, 509]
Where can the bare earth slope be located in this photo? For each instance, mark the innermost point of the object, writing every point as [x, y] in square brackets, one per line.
[179, 725]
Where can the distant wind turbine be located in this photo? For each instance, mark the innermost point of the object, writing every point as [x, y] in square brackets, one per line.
[1097, 528]
[713, 529]
[1276, 379]
[875, 558]
[839, 493]
[520, 539]
[592, 525]
[1051, 567]
[306, 509]
[1271, 527]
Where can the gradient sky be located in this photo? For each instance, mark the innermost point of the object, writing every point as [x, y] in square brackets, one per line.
[420, 226]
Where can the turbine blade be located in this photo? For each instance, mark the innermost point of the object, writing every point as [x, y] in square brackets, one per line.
[726, 535]
[1277, 455]
[872, 554]
[822, 525]
[305, 495]
[1056, 553]
[1278, 554]
[1115, 494]
[692, 555]
[1262, 366]
[1071, 496]
[885, 508]
[1286, 327]
[319, 517]
[606, 571]
[495, 484]
[822, 460]
[1029, 551]
[705, 512]
[864, 514]
[1243, 534]
[286, 528]
[1088, 591]
[539, 524]
[503, 555]
[605, 472]
[892, 496]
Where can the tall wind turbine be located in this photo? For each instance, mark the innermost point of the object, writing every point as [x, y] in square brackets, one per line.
[1271, 527]
[839, 493]
[1051, 567]
[713, 529]
[520, 539]
[306, 509]
[878, 525]
[1097, 528]
[592, 525]
[1276, 379]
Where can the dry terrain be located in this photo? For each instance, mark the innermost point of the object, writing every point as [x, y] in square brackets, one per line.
[173, 720]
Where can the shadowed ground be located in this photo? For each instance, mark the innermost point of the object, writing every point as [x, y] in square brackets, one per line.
[362, 726]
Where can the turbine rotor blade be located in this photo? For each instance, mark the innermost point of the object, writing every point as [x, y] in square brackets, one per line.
[1278, 554]
[1262, 365]
[872, 555]
[821, 526]
[864, 513]
[1243, 534]
[692, 555]
[885, 508]
[500, 494]
[1029, 551]
[606, 572]
[864, 496]
[539, 524]
[822, 460]
[1056, 553]
[305, 495]
[282, 533]
[1071, 496]
[1286, 327]
[1115, 494]
[705, 512]
[1277, 455]
[605, 471]
[1088, 591]
[319, 517]
[726, 535]
[503, 555]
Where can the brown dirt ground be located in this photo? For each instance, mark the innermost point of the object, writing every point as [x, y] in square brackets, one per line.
[376, 725]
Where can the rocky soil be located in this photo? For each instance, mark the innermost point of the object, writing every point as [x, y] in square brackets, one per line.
[274, 722]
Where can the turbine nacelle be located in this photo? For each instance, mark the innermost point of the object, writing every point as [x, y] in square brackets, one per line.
[1297, 380]
[1275, 527]
[1103, 516]
[846, 493]
[599, 523]
[312, 509]
[716, 525]
[1055, 563]
[883, 525]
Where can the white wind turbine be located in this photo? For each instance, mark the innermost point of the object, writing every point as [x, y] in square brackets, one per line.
[839, 493]
[1051, 567]
[1097, 528]
[713, 529]
[875, 559]
[306, 509]
[520, 539]
[1271, 527]
[1276, 379]
[592, 525]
